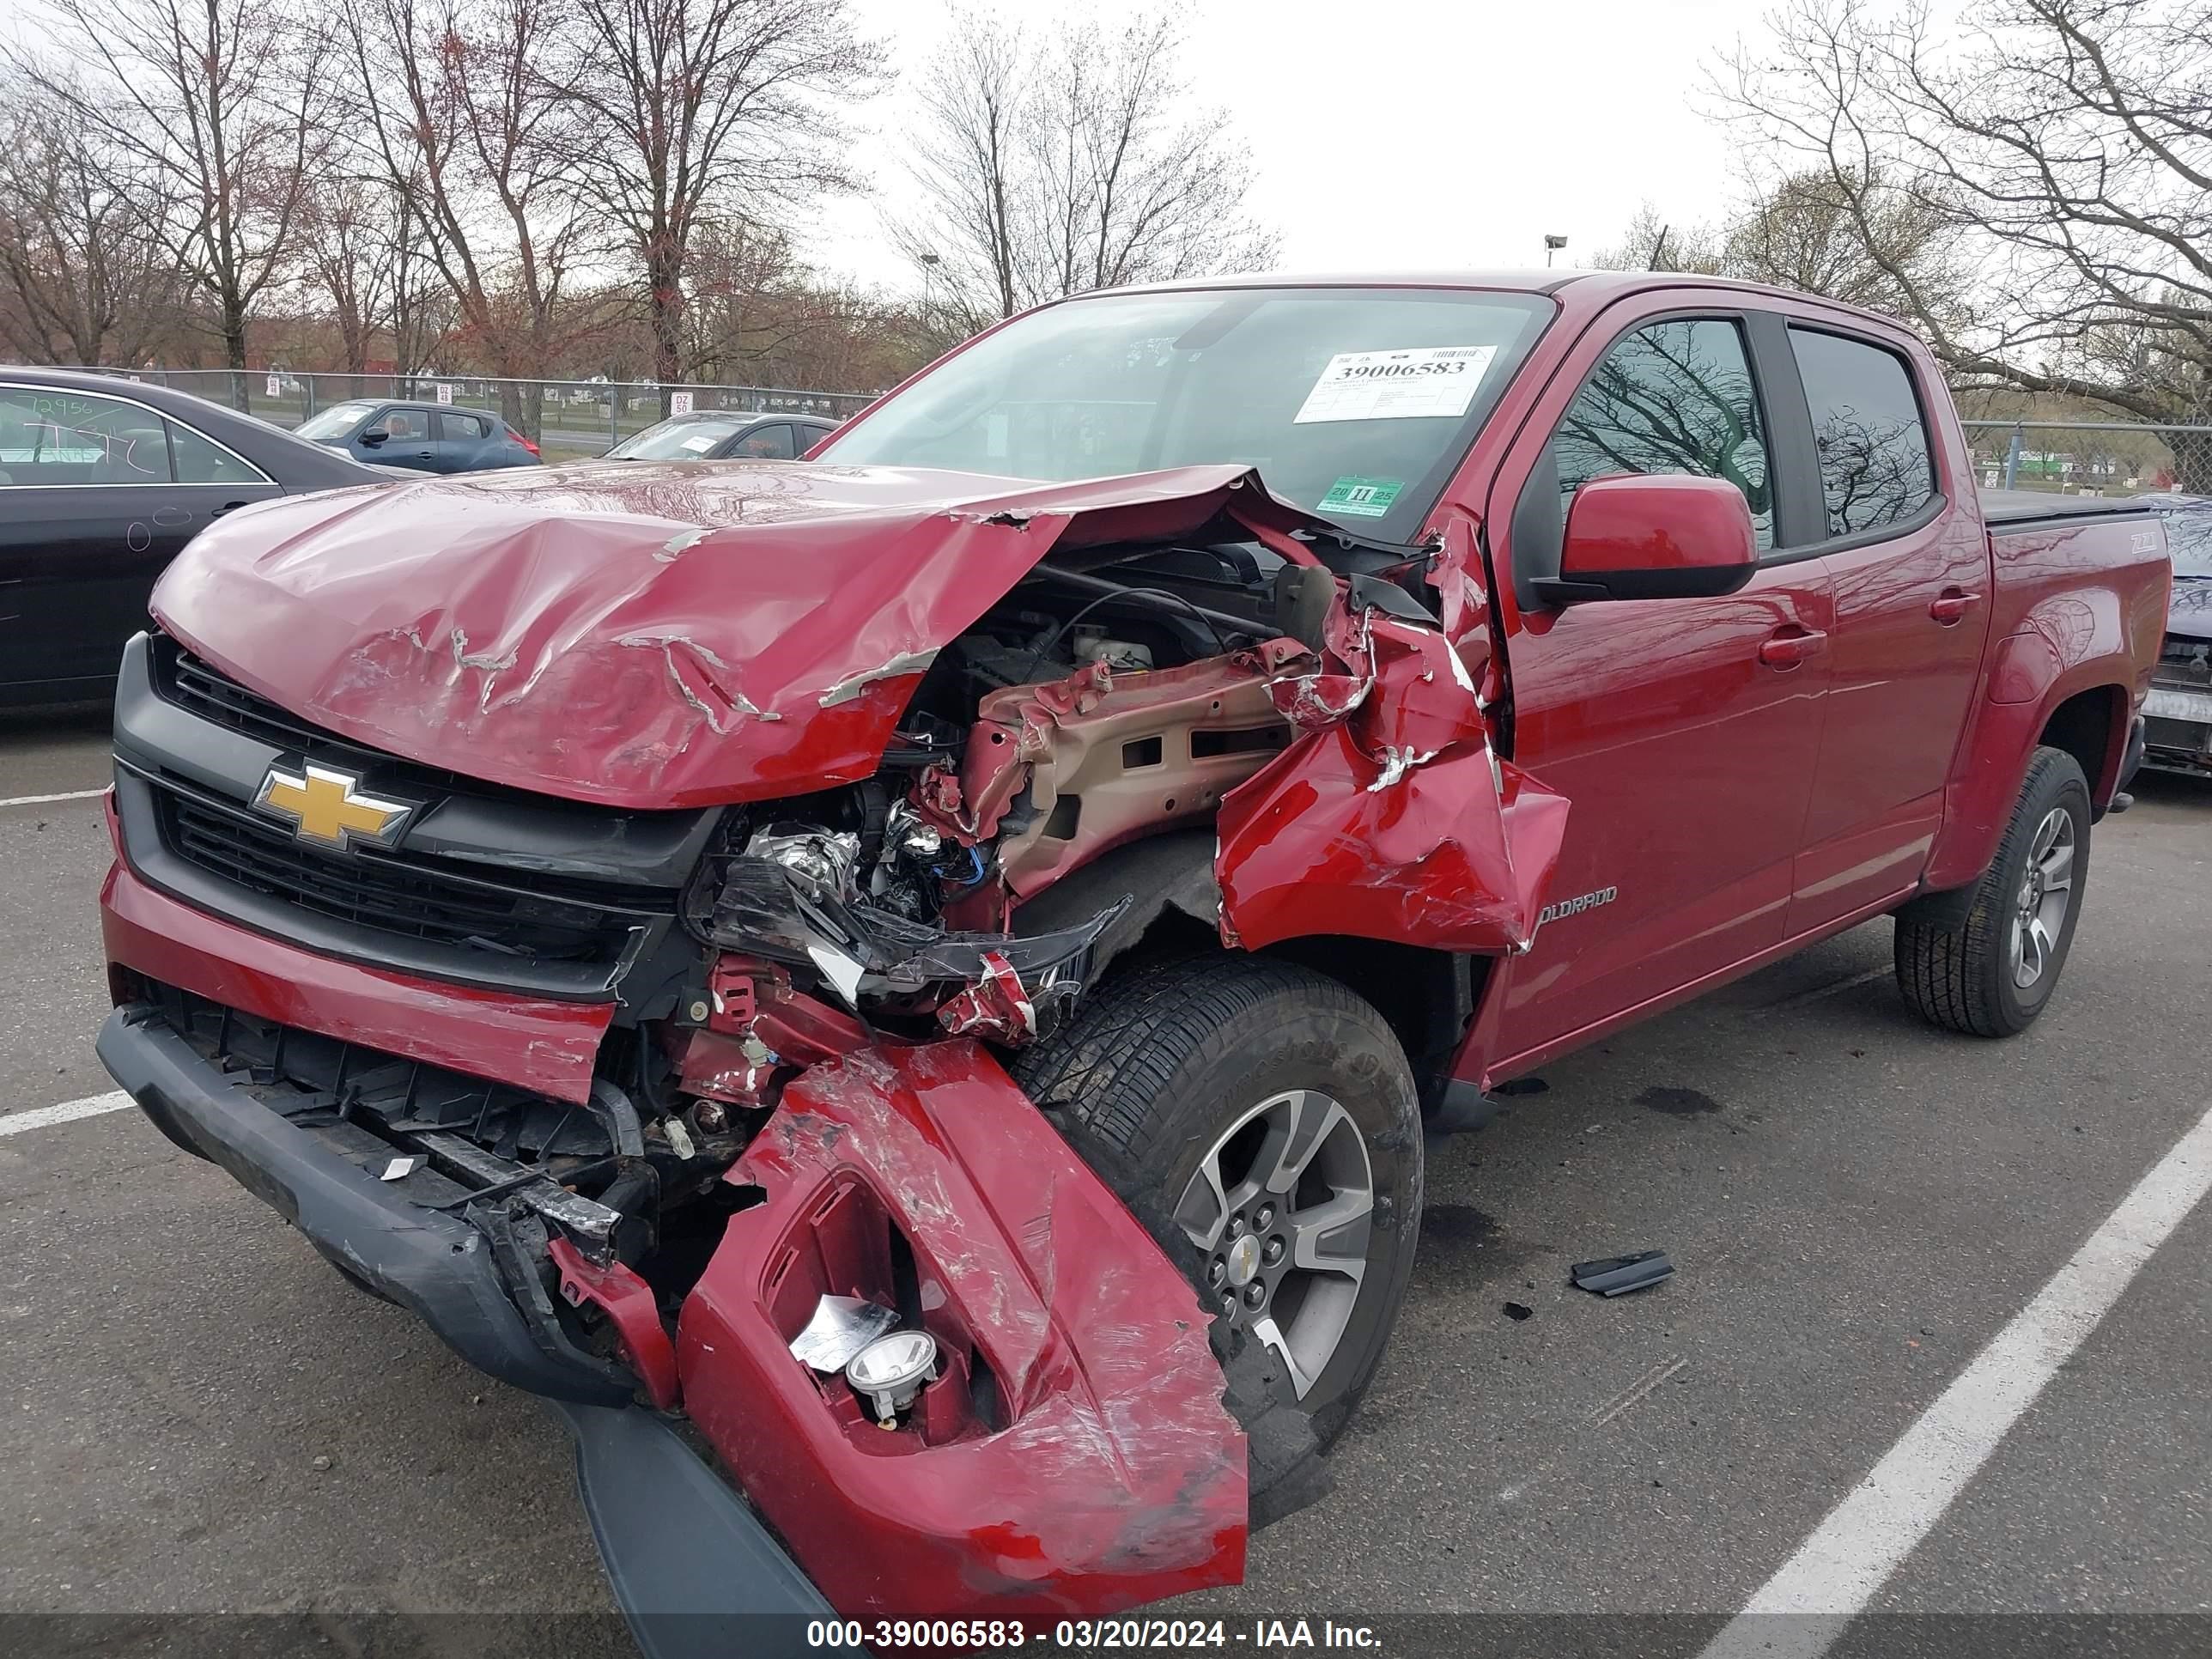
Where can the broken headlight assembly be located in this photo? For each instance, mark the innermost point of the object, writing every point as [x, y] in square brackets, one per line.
[794, 895]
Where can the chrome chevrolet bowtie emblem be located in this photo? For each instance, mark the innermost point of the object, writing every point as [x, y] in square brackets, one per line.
[325, 806]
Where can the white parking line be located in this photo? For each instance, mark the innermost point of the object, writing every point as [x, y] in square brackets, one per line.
[1852, 1553]
[14, 1123]
[42, 800]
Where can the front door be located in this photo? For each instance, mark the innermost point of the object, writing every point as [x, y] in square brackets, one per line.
[1682, 731]
[408, 440]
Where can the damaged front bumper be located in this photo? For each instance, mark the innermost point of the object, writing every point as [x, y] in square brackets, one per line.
[436, 1263]
[1073, 1457]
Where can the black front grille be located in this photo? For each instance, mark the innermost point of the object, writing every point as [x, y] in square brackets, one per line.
[186, 681]
[392, 894]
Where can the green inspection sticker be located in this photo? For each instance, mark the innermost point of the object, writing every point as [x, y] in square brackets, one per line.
[1362, 498]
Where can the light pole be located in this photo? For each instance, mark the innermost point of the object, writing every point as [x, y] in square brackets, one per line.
[1552, 245]
[929, 264]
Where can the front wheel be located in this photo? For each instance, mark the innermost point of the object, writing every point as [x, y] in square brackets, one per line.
[1985, 961]
[1260, 1120]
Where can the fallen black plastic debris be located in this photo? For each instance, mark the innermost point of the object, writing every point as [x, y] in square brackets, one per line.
[1518, 1311]
[1616, 1275]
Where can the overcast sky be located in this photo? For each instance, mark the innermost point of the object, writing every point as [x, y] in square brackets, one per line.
[1402, 133]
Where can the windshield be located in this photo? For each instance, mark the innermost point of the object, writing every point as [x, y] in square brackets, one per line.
[335, 421]
[2189, 537]
[681, 439]
[1356, 404]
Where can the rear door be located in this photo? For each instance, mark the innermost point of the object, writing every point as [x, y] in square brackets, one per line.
[1912, 576]
[462, 440]
[1682, 731]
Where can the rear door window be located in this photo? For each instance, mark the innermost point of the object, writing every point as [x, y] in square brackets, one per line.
[1875, 467]
[463, 428]
[49, 435]
[200, 460]
[1674, 397]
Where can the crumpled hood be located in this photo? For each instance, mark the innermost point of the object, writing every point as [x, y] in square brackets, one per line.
[667, 635]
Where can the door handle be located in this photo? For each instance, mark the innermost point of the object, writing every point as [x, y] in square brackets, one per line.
[1952, 603]
[227, 507]
[1787, 650]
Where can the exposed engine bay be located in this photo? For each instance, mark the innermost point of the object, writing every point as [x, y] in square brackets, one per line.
[1081, 713]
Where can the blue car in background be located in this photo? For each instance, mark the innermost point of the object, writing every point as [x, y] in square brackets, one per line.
[425, 437]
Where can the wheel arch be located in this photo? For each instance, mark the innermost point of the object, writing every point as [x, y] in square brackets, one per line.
[1428, 996]
[2085, 713]
[2090, 725]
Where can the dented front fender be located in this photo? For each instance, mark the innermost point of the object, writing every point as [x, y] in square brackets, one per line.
[1391, 817]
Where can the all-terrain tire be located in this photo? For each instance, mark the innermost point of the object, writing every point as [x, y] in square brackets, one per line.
[1162, 1060]
[1954, 950]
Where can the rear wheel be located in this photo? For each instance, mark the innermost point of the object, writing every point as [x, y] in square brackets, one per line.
[1985, 960]
[1260, 1120]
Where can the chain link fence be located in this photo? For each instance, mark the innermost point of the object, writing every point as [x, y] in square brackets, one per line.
[569, 419]
[2090, 457]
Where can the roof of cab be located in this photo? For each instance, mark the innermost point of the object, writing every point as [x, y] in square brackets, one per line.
[1590, 289]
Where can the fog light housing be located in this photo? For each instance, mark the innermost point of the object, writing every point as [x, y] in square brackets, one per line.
[890, 1372]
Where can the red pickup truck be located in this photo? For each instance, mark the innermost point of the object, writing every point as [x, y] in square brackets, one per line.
[923, 972]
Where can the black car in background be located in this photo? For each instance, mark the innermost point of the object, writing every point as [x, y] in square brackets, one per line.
[2179, 726]
[725, 435]
[102, 480]
[420, 437]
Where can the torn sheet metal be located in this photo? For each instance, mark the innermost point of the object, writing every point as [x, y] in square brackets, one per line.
[1390, 817]
[998, 1006]
[1098, 1468]
[649, 636]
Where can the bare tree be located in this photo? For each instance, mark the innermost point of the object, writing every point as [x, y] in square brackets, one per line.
[1653, 242]
[460, 114]
[352, 254]
[422, 310]
[2064, 149]
[1053, 165]
[705, 116]
[1844, 238]
[82, 238]
[218, 104]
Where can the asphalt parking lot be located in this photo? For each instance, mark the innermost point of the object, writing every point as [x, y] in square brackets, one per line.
[200, 1417]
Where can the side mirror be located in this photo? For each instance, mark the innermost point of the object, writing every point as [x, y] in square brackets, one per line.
[373, 437]
[1664, 537]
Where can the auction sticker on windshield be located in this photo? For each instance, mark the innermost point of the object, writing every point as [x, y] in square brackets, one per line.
[1362, 498]
[1396, 386]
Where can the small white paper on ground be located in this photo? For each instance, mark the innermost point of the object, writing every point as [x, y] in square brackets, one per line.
[400, 1167]
[1396, 386]
[840, 1328]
